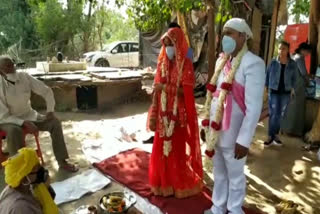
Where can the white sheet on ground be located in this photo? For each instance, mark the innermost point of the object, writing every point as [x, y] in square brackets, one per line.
[77, 186]
[113, 141]
[99, 150]
[116, 135]
[145, 206]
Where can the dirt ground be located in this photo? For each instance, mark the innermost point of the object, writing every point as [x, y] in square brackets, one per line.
[273, 174]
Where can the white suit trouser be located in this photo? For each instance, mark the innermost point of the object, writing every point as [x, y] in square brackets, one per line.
[229, 182]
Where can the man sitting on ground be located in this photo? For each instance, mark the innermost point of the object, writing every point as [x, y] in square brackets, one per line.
[17, 115]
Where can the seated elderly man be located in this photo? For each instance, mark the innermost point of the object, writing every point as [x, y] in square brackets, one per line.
[28, 190]
[16, 113]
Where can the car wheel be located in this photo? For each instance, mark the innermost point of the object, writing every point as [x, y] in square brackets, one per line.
[102, 63]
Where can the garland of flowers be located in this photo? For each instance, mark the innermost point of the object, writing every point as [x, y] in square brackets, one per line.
[169, 126]
[212, 130]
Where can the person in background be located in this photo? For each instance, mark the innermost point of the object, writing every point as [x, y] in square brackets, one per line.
[293, 121]
[174, 170]
[17, 115]
[28, 190]
[280, 83]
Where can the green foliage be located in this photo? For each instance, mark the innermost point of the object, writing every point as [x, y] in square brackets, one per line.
[225, 12]
[35, 29]
[114, 33]
[49, 18]
[152, 14]
[112, 26]
[299, 8]
[16, 26]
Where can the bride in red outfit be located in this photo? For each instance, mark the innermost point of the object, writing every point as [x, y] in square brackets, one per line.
[176, 164]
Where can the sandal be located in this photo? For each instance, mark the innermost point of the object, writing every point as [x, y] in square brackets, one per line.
[311, 147]
[69, 167]
[279, 207]
[286, 207]
[291, 208]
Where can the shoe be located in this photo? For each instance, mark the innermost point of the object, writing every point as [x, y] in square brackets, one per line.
[273, 142]
[208, 211]
[277, 142]
[268, 143]
[149, 141]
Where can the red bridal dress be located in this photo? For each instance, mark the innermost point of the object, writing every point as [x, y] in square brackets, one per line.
[180, 174]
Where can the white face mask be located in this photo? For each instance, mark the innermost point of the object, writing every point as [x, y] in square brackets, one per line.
[228, 44]
[171, 51]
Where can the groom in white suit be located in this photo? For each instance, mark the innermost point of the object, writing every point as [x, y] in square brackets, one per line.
[233, 144]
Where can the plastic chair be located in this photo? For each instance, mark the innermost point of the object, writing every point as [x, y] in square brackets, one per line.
[3, 134]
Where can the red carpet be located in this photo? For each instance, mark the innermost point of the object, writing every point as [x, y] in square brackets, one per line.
[130, 168]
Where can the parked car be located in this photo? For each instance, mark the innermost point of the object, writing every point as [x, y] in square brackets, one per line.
[116, 54]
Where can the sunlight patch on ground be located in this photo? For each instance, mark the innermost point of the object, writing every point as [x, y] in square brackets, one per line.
[261, 124]
[262, 183]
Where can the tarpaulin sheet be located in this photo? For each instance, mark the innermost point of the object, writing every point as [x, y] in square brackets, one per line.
[296, 34]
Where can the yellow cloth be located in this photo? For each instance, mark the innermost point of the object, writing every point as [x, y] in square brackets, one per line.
[18, 167]
[42, 194]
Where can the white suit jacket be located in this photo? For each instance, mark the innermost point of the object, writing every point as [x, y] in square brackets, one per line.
[251, 75]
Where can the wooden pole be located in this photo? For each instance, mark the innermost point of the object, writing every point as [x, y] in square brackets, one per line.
[211, 38]
[182, 23]
[256, 30]
[314, 34]
[274, 24]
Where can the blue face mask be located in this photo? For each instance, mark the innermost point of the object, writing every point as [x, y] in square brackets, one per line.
[228, 45]
[170, 52]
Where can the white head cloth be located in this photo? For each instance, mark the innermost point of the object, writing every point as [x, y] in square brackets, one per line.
[239, 25]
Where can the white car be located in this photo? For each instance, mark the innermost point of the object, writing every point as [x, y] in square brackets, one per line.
[116, 54]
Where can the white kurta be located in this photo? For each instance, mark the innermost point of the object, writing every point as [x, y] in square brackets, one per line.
[15, 105]
[230, 183]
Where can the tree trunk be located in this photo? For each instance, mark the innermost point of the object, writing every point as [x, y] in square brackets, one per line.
[141, 64]
[314, 33]
[87, 32]
[182, 23]
[314, 40]
[273, 29]
[100, 30]
[211, 39]
[100, 37]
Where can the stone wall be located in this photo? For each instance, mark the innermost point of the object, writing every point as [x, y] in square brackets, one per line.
[108, 93]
